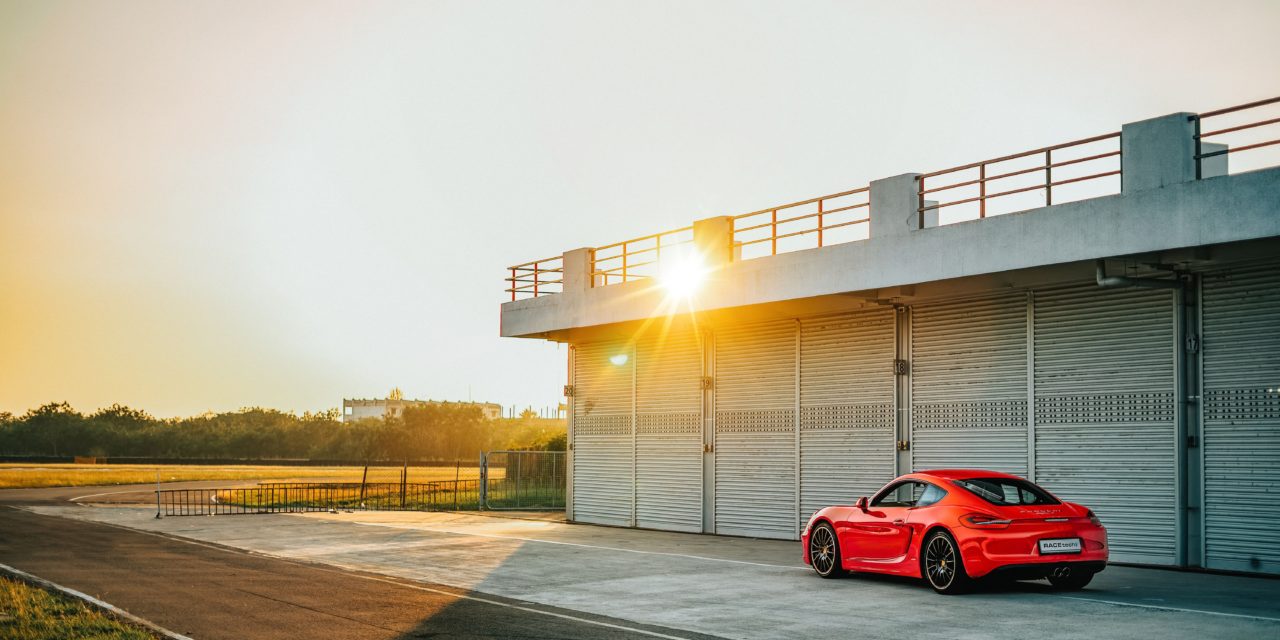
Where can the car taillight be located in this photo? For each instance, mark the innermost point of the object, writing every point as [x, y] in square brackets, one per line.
[983, 521]
[1092, 518]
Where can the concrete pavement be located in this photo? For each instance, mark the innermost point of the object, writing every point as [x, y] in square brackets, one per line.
[731, 587]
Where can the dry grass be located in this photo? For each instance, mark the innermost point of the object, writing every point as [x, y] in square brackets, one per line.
[29, 613]
[20, 475]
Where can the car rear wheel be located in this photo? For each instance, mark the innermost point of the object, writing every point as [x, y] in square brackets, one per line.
[824, 551]
[942, 565]
[1071, 581]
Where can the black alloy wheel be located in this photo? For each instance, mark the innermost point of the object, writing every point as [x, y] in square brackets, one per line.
[942, 565]
[824, 551]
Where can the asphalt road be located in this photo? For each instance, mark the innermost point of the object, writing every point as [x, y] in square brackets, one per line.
[209, 592]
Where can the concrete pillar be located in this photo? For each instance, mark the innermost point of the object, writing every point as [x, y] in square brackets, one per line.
[930, 215]
[1215, 166]
[895, 205]
[713, 238]
[1157, 152]
[577, 270]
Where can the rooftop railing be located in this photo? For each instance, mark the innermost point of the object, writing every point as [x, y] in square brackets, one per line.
[1077, 170]
[808, 224]
[1236, 127]
[1033, 173]
[537, 278]
[636, 258]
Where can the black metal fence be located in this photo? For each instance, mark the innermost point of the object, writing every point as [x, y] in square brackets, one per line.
[528, 480]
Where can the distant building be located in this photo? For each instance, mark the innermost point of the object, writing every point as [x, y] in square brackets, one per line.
[359, 408]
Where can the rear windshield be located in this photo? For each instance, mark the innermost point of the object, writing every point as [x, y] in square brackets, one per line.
[1006, 491]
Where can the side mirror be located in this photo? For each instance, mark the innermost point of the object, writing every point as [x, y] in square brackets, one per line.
[861, 504]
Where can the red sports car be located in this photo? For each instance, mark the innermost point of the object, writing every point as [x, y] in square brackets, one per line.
[953, 526]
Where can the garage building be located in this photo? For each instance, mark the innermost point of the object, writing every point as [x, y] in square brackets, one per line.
[1121, 348]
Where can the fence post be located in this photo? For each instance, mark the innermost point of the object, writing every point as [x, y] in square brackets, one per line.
[157, 493]
[363, 479]
[482, 498]
[518, 456]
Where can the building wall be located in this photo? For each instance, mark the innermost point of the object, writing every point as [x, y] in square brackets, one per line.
[1158, 406]
[1089, 391]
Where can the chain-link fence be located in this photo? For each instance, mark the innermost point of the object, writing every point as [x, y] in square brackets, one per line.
[524, 480]
[301, 497]
[509, 480]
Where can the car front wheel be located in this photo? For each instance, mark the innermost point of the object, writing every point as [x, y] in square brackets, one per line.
[824, 551]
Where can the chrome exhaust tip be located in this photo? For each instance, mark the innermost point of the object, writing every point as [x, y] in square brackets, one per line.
[1060, 572]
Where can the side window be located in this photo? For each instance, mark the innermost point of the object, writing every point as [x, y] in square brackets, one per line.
[902, 494]
[931, 495]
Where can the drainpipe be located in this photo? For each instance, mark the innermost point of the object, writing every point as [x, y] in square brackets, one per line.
[1111, 282]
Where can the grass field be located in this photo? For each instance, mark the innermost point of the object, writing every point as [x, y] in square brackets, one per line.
[22, 475]
[29, 613]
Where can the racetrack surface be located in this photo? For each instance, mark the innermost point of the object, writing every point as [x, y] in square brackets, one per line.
[208, 592]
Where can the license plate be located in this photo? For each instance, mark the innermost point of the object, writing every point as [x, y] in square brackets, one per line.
[1060, 545]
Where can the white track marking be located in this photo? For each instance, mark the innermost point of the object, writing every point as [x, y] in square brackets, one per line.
[1167, 608]
[109, 493]
[579, 544]
[114, 610]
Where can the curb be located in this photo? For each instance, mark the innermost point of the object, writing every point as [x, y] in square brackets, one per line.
[105, 607]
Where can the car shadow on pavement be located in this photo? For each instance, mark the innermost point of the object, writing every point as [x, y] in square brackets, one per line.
[990, 585]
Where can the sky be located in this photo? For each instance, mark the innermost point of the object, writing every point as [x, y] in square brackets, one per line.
[213, 205]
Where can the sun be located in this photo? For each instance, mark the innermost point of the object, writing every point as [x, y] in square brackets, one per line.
[683, 275]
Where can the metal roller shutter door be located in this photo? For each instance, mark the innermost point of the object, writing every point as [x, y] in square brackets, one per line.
[602, 434]
[669, 431]
[755, 438]
[969, 384]
[846, 408]
[1105, 369]
[1241, 446]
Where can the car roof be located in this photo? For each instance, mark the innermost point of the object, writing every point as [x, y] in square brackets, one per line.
[964, 474]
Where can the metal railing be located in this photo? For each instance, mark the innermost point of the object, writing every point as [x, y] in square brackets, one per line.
[972, 181]
[537, 278]
[530, 480]
[1245, 131]
[299, 497]
[1031, 179]
[636, 258]
[816, 218]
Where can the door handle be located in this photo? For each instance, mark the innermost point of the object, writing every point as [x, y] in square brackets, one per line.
[898, 521]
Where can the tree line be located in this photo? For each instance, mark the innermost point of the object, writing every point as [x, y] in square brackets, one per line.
[434, 432]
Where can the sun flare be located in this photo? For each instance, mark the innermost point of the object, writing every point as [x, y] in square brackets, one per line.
[683, 276]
